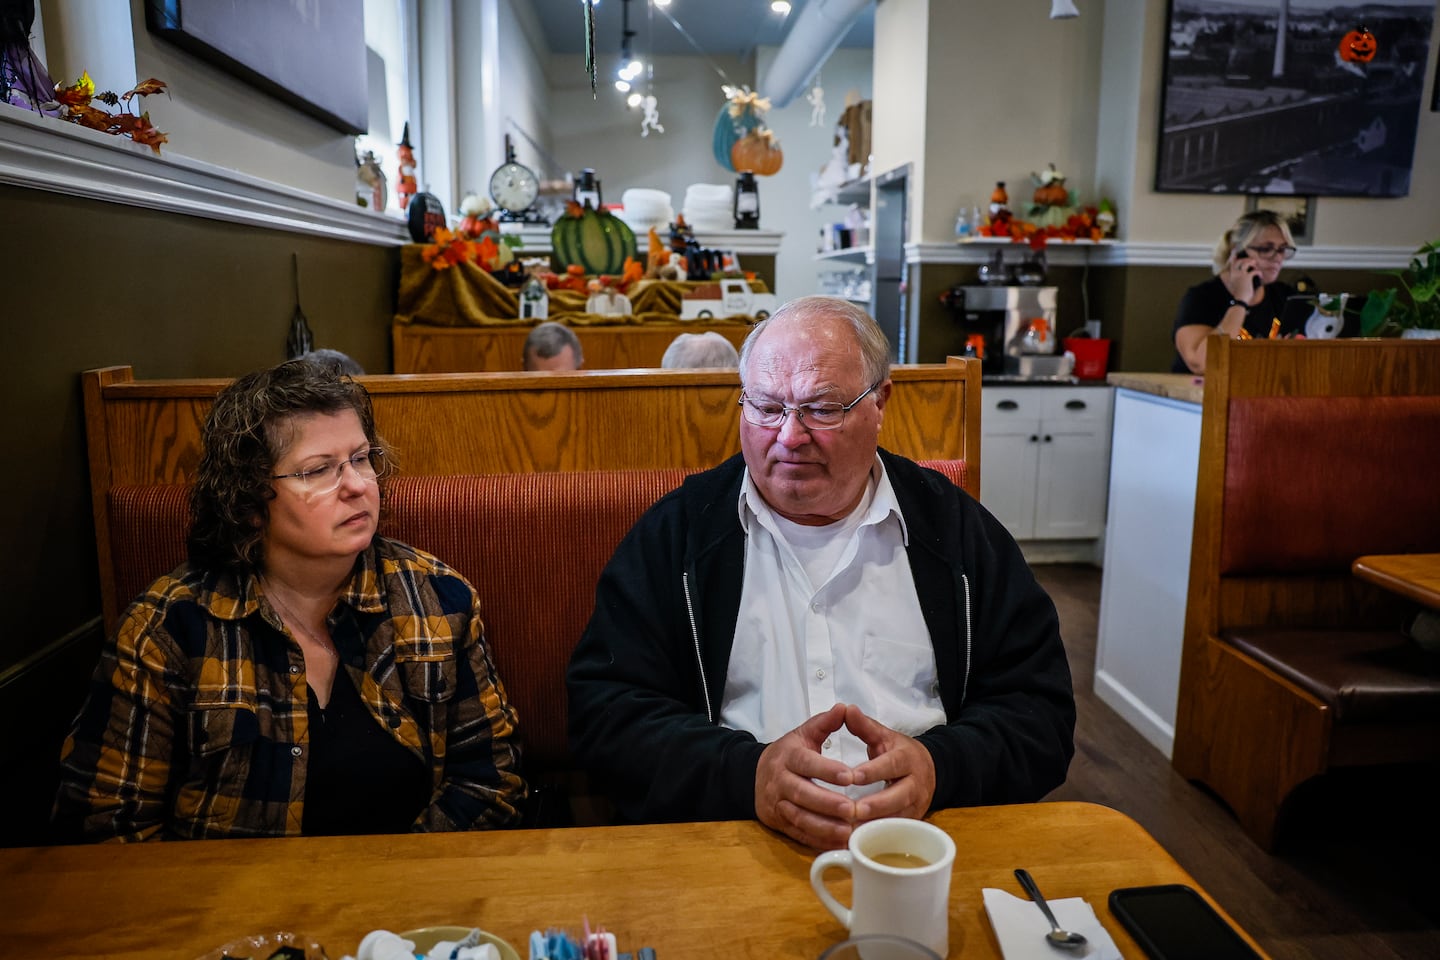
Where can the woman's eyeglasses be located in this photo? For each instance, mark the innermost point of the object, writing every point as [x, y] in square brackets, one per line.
[318, 481]
[1271, 252]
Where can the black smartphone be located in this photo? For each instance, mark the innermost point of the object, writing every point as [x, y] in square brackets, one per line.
[1173, 922]
[1256, 278]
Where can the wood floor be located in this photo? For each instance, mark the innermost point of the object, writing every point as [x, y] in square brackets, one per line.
[1360, 875]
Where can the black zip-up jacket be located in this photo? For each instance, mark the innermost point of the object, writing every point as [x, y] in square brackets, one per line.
[647, 678]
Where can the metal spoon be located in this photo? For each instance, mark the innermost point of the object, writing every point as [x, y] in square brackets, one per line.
[1064, 939]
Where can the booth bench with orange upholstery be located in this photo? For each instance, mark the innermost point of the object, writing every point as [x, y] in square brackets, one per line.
[532, 544]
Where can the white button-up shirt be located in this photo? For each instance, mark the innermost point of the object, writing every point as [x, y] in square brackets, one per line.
[829, 615]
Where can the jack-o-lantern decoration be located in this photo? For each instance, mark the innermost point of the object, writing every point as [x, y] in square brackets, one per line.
[1358, 46]
[757, 152]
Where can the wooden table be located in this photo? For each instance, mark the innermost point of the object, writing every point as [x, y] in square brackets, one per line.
[1415, 576]
[694, 890]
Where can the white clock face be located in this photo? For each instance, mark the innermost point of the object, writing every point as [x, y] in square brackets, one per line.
[514, 187]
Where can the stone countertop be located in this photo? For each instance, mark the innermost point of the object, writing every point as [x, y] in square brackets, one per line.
[1176, 386]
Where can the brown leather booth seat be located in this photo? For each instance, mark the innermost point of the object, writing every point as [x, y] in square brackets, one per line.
[1361, 675]
[532, 544]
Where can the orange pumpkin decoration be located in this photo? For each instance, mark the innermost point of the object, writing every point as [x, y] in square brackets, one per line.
[1052, 194]
[1358, 46]
[757, 152]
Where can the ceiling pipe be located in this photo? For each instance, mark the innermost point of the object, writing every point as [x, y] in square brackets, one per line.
[817, 31]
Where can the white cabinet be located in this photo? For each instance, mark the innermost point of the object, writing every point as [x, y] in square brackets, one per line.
[1045, 459]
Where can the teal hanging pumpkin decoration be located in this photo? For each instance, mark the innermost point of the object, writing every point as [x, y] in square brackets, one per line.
[592, 239]
[743, 114]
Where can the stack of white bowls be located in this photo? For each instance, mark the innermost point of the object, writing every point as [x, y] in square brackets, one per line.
[643, 209]
[709, 207]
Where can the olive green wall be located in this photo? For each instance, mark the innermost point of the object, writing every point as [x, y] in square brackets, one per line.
[94, 284]
[90, 284]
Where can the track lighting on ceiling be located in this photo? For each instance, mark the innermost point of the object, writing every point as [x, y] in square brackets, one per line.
[630, 66]
[781, 7]
[1063, 9]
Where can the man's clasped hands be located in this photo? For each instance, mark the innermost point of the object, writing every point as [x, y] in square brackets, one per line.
[788, 797]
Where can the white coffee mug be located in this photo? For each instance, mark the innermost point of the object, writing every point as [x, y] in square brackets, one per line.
[901, 870]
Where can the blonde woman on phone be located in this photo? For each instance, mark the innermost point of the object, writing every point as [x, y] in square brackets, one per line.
[1245, 296]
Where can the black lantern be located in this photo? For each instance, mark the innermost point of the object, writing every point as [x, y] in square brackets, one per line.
[747, 202]
[587, 189]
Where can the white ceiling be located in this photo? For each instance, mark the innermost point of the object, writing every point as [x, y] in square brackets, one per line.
[731, 27]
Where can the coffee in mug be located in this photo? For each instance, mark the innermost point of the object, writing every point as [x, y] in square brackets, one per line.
[905, 861]
[901, 870]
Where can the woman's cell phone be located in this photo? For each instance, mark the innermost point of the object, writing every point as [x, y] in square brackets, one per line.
[1255, 279]
[1173, 922]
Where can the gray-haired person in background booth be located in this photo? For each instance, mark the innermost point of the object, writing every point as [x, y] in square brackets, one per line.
[692, 350]
[817, 632]
[553, 346]
[342, 362]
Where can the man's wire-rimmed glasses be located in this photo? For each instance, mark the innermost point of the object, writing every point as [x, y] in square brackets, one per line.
[369, 465]
[813, 416]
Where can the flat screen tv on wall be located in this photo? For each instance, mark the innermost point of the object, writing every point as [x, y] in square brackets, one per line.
[1303, 97]
[308, 53]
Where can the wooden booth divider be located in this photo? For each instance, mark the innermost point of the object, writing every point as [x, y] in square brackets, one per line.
[422, 348]
[1312, 453]
[147, 432]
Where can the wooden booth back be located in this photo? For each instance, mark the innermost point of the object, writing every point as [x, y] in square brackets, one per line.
[148, 432]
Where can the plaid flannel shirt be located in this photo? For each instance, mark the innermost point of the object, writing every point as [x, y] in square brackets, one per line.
[196, 722]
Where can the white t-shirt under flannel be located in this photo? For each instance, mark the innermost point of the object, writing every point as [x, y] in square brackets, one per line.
[829, 615]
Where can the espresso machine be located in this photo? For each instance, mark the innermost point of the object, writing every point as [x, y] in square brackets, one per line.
[1011, 328]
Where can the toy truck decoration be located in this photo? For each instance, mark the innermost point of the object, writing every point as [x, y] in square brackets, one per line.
[727, 298]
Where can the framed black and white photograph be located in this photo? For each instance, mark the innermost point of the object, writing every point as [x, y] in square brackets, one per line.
[1292, 97]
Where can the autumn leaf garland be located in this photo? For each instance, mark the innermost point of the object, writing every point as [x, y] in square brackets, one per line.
[76, 106]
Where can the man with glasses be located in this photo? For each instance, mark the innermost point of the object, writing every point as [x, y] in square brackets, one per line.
[1245, 297]
[819, 633]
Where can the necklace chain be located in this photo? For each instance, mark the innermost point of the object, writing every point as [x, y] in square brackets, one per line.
[285, 611]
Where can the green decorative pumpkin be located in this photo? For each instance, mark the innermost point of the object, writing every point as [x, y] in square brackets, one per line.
[592, 239]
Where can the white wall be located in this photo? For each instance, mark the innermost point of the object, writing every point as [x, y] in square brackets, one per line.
[785, 197]
[898, 126]
[524, 100]
[1009, 91]
[605, 134]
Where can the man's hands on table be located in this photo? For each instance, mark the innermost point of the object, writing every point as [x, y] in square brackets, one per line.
[788, 798]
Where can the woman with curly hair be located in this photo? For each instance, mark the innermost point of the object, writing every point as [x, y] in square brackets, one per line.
[300, 674]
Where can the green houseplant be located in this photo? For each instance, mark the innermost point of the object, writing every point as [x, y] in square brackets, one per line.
[1385, 312]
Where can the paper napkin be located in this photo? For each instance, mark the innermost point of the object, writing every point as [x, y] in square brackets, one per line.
[1021, 928]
